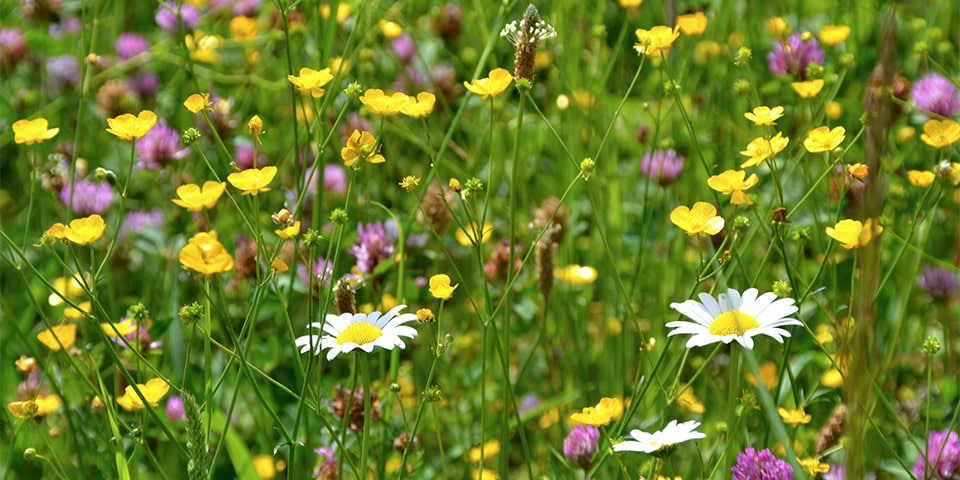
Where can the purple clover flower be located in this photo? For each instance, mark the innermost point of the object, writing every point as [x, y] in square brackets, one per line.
[839, 472]
[404, 48]
[237, 7]
[143, 85]
[174, 409]
[794, 56]
[938, 282]
[243, 156]
[935, 93]
[67, 25]
[322, 271]
[160, 146]
[63, 72]
[335, 178]
[167, 17]
[330, 467]
[662, 166]
[580, 445]
[13, 47]
[137, 220]
[373, 246]
[762, 465]
[90, 197]
[942, 457]
[130, 45]
[528, 403]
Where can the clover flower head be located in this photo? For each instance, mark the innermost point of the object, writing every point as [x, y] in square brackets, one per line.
[160, 146]
[938, 282]
[941, 458]
[580, 445]
[88, 197]
[63, 72]
[754, 465]
[166, 16]
[130, 45]
[374, 245]
[935, 93]
[662, 166]
[793, 56]
[321, 271]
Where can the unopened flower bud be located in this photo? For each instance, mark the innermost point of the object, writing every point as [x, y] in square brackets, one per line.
[782, 289]
[105, 175]
[339, 216]
[931, 345]
[353, 90]
[587, 165]
[255, 125]
[190, 136]
[425, 315]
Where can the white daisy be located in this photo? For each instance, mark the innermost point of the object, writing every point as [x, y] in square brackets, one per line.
[662, 441]
[731, 317]
[350, 331]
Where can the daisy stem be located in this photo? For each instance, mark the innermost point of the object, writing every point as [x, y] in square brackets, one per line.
[703, 366]
[733, 386]
[367, 426]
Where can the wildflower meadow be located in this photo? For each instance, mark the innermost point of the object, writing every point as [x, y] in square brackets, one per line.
[678, 239]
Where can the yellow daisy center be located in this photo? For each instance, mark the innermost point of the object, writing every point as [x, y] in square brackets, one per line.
[359, 333]
[732, 323]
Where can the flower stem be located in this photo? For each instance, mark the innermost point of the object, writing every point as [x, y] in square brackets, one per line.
[367, 426]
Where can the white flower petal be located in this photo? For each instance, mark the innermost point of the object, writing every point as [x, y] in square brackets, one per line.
[694, 311]
[672, 434]
[390, 324]
[710, 304]
[769, 312]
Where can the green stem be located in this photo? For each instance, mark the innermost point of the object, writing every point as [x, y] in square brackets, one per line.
[733, 387]
[32, 181]
[207, 359]
[367, 424]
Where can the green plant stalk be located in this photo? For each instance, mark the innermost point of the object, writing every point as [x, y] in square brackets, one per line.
[733, 388]
[367, 424]
[207, 360]
[508, 294]
[120, 211]
[770, 410]
[419, 418]
[33, 187]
